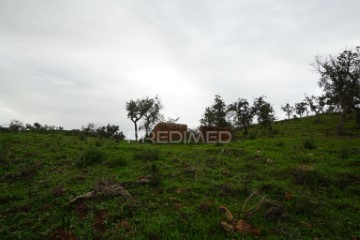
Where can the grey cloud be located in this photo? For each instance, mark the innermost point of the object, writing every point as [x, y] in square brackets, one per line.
[71, 62]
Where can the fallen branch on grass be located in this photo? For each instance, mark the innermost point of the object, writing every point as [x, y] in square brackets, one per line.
[112, 190]
[109, 188]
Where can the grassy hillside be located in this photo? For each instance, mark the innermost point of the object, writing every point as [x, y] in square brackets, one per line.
[301, 183]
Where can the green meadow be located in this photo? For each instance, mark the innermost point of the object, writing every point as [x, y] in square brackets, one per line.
[300, 181]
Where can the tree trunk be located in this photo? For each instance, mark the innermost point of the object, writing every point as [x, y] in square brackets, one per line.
[341, 123]
[136, 131]
[317, 117]
[147, 130]
[245, 129]
[147, 127]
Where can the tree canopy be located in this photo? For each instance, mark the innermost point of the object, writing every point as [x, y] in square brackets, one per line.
[340, 81]
[145, 108]
[264, 112]
[215, 115]
[242, 113]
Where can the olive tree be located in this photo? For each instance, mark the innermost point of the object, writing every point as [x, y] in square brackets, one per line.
[287, 109]
[340, 81]
[264, 112]
[216, 114]
[300, 108]
[147, 109]
[152, 115]
[316, 105]
[242, 113]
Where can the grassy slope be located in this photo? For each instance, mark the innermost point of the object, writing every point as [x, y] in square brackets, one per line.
[321, 199]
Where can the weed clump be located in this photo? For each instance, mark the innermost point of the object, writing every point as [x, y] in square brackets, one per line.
[273, 210]
[90, 157]
[156, 175]
[2, 155]
[98, 144]
[304, 205]
[344, 153]
[309, 143]
[147, 154]
[229, 189]
[118, 161]
[279, 144]
[26, 174]
[82, 136]
[306, 176]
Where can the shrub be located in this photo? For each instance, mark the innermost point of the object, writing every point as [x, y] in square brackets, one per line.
[91, 156]
[279, 144]
[273, 210]
[147, 154]
[117, 161]
[303, 204]
[344, 153]
[156, 175]
[357, 117]
[308, 177]
[276, 131]
[82, 136]
[309, 143]
[252, 135]
[2, 155]
[98, 144]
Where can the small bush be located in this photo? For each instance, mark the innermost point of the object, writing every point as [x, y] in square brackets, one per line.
[304, 205]
[147, 154]
[306, 176]
[309, 143]
[344, 153]
[3, 153]
[252, 135]
[273, 210]
[273, 132]
[26, 174]
[82, 136]
[118, 161]
[279, 144]
[90, 157]
[357, 117]
[98, 144]
[229, 189]
[157, 176]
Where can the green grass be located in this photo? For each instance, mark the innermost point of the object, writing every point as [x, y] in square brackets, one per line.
[307, 181]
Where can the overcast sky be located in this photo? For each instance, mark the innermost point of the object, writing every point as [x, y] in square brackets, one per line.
[71, 62]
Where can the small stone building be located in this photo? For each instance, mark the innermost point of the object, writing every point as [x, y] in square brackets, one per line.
[169, 133]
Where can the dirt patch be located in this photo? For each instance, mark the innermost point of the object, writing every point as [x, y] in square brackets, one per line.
[26, 174]
[309, 178]
[61, 234]
[124, 225]
[348, 180]
[59, 190]
[229, 189]
[98, 224]
[25, 208]
[273, 209]
[206, 206]
[355, 163]
[82, 210]
[229, 224]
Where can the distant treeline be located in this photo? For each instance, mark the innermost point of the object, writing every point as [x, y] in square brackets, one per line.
[108, 131]
[339, 80]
